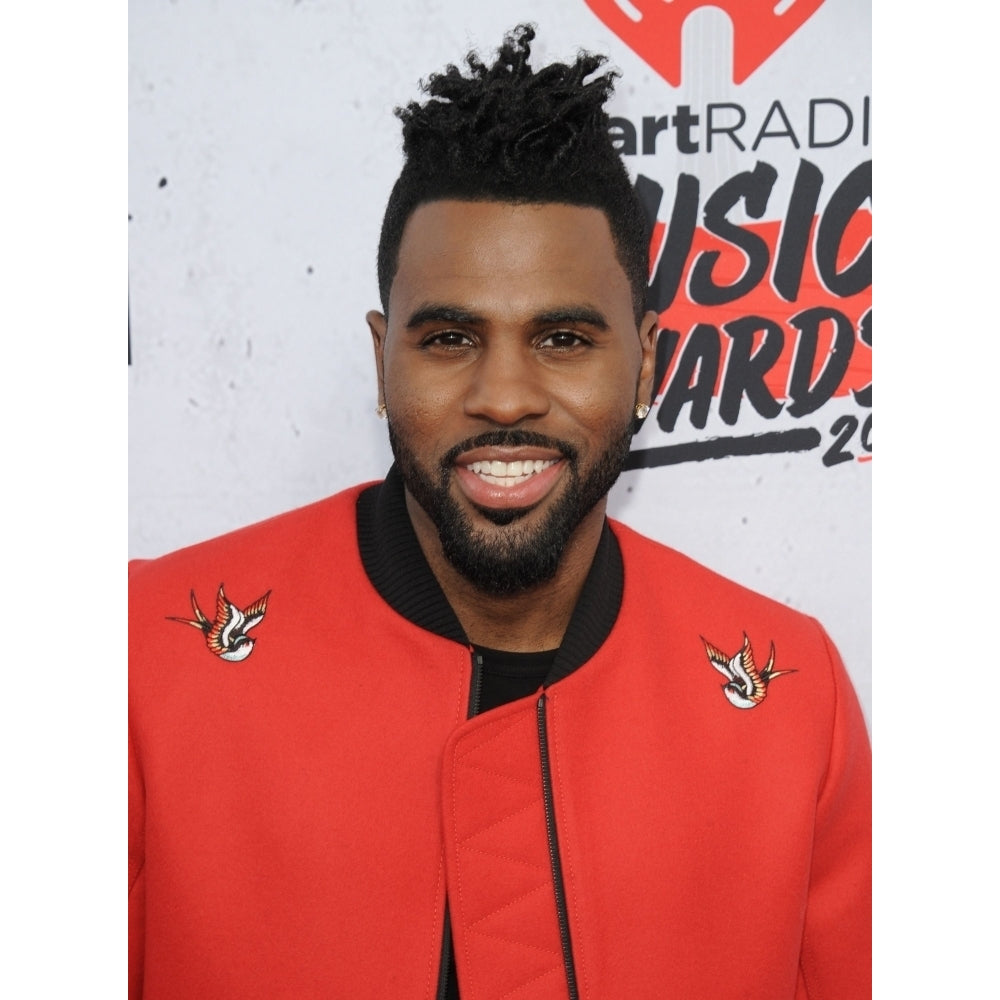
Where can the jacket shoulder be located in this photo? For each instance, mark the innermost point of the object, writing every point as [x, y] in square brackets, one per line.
[697, 607]
[658, 567]
[271, 542]
[698, 620]
[299, 552]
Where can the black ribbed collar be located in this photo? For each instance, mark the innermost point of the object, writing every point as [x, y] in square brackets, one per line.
[396, 566]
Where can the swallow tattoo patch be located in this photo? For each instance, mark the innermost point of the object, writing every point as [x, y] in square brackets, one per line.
[226, 633]
[746, 686]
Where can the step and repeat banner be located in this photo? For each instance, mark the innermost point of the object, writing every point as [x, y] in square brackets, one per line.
[262, 149]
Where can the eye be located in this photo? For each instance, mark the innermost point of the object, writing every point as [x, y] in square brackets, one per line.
[562, 340]
[448, 339]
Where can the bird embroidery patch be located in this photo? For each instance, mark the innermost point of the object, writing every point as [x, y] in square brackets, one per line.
[746, 686]
[226, 633]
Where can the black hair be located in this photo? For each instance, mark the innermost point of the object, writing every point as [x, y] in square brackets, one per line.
[508, 133]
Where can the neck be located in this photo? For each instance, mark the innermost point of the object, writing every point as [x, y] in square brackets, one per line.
[530, 621]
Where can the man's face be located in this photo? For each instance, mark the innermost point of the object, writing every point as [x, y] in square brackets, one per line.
[510, 365]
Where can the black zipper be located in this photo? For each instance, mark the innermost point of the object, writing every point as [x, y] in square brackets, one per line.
[447, 958]
[476, 687]
[557, 876]
[445, 965]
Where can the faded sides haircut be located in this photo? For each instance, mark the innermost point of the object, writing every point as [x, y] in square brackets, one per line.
[509, 133]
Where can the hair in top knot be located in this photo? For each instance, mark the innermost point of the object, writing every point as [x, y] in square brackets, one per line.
[507, 119]
[507, 132]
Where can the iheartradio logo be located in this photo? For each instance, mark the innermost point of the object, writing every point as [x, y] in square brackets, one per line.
[652, 29]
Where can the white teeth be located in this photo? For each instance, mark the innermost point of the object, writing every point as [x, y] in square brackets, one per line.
[509, 473]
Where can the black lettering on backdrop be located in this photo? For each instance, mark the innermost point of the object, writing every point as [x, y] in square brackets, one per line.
[757, 343]
[680, 235]
[699, 365]
[814, 105]
[666, 344]
[805, 394]
[769, 443]
[863, 397]
[753, 187]
[850, 195]
[651, 128]
[623, 136]
[694, 378]
[793, 243]
[786, 133]
[683, 122]
[729, 129]
[746, 367]
[825, 121]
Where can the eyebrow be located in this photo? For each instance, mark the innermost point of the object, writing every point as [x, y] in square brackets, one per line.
[442, 313]
[574, 314]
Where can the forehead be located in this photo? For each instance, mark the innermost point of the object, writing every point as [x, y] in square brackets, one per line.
[524, 256]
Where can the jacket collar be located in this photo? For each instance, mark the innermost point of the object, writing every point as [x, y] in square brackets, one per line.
[396, 566]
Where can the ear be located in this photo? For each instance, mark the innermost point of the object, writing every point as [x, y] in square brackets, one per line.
[647, 340]
[378, 325]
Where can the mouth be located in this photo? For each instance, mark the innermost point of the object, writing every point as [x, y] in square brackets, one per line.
[506, 476]
[509, 474]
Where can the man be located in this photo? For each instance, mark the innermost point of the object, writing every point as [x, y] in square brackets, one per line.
[455, 733]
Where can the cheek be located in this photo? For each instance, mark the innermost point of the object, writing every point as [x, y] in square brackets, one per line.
[425, 408]
[407, 392]
[421, 417]
[602, 405]
[425, 395]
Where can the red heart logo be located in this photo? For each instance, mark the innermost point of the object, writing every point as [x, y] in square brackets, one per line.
[652, 29]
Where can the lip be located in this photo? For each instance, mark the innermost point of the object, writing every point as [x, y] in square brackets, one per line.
[520, 486]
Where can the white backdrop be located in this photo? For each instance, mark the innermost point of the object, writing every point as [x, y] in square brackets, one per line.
[262, 150]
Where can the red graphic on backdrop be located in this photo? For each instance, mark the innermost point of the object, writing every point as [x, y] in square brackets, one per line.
[652, 29]
[766, 319]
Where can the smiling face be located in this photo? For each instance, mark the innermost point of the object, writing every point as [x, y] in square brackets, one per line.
[510, 365]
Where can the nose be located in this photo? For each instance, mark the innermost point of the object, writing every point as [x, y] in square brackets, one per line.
[506, 385]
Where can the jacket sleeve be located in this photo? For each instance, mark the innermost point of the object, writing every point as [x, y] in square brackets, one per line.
[836, 948]
[136, 879]
[136, 854]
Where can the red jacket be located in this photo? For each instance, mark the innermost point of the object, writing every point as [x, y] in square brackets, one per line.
[299, 816]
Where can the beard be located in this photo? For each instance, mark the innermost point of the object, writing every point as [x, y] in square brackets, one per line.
[517, 557]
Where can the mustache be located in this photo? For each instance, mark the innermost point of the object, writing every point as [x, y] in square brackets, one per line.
[509, 439]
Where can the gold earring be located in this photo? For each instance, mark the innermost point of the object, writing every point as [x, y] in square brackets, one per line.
[641, 409]
[380, 411]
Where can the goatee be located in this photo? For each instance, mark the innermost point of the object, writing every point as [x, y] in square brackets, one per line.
[516, 558]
